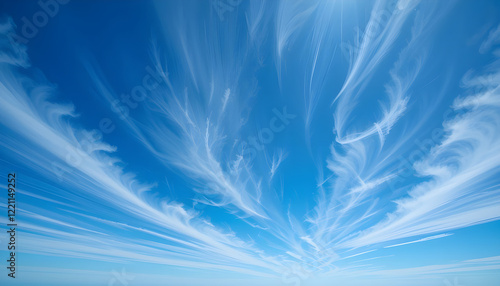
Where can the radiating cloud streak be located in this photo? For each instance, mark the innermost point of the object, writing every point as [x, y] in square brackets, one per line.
[289, 19]
[45, 127]
[421, 240]
[463, 189]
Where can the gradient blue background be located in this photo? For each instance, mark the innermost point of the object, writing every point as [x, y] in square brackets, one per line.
[176, 194]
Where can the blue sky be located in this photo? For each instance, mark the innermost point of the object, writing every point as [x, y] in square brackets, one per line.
[252, 142]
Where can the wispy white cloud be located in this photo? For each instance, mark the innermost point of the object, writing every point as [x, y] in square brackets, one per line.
[421, 240]
[359, 157]
[493, 39]
[289, 19]
[463, 188]
[276, 162]
[46, 127]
